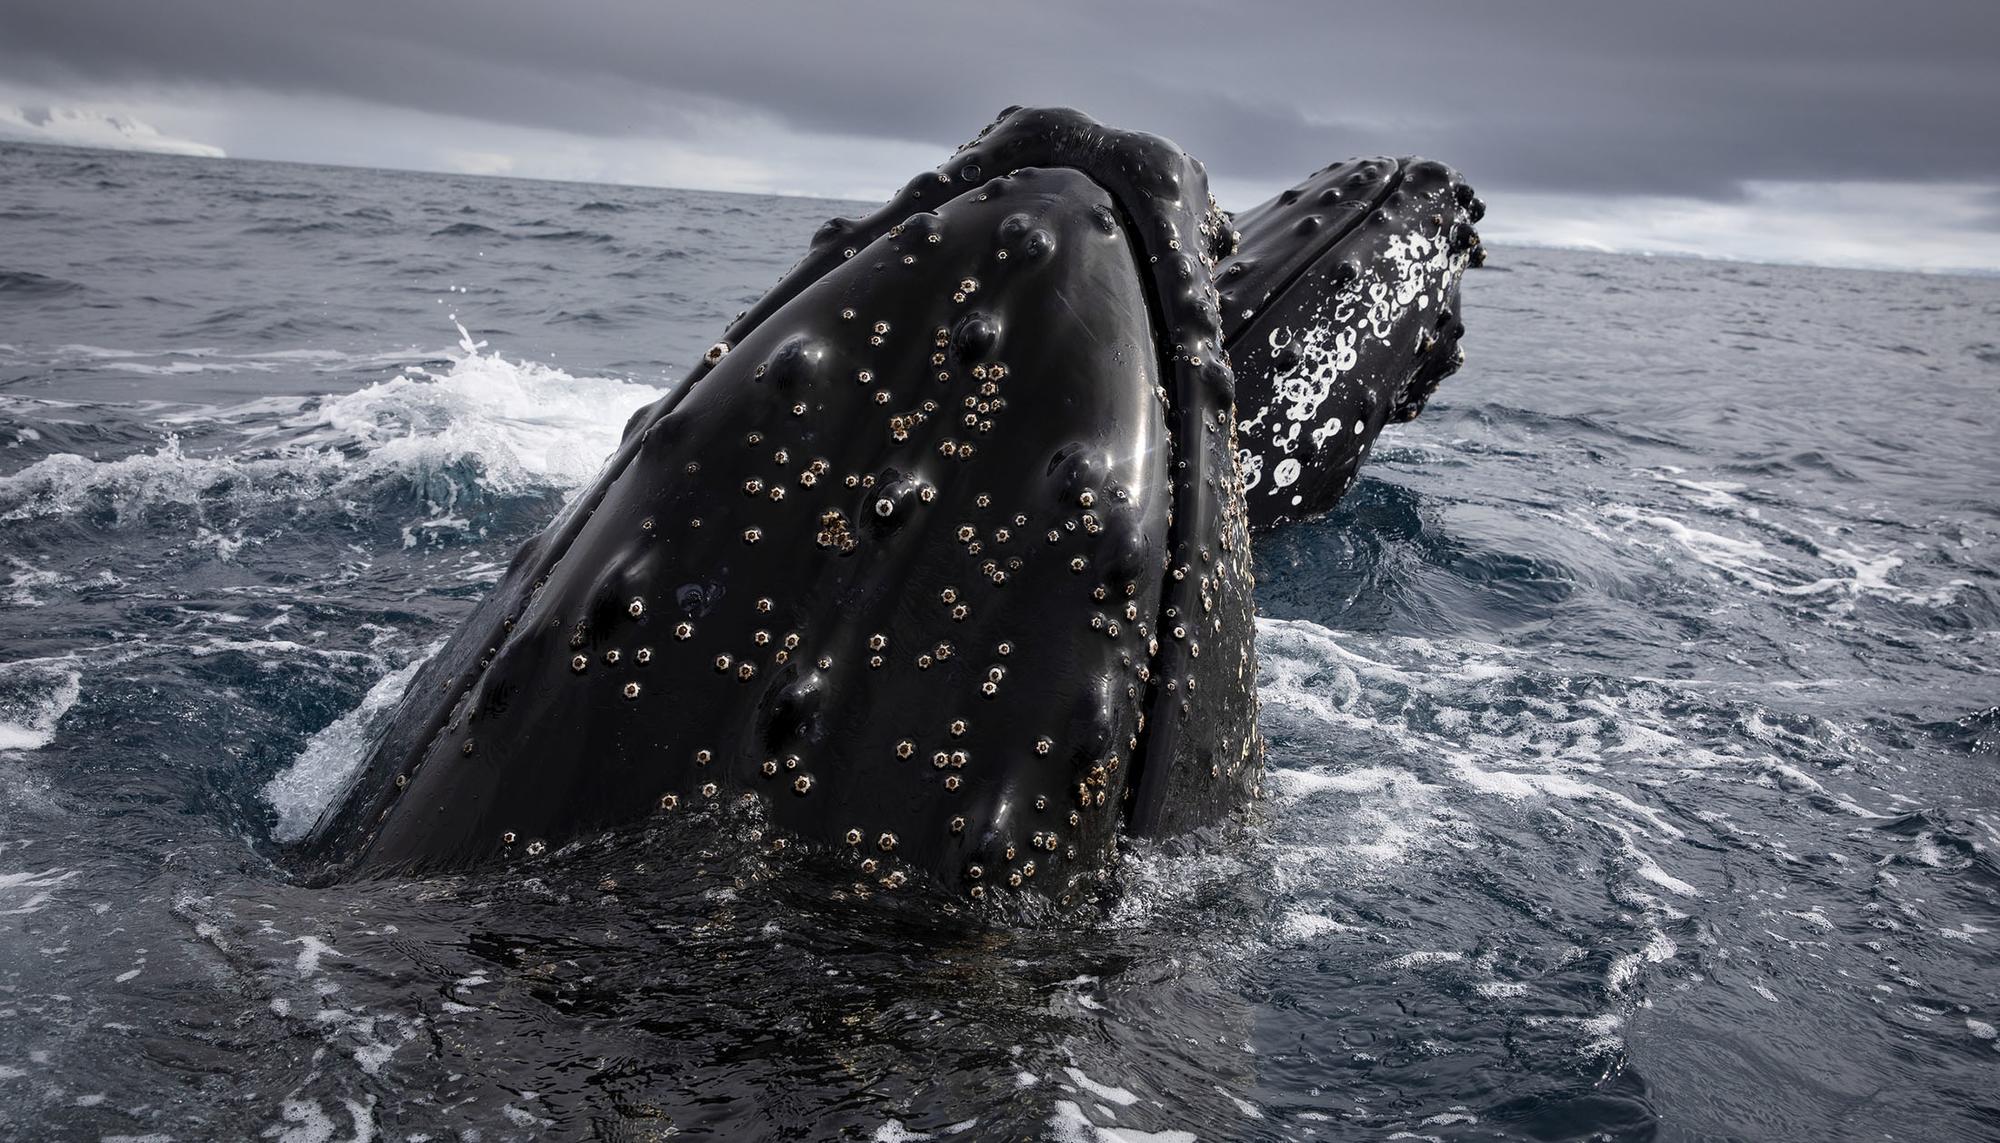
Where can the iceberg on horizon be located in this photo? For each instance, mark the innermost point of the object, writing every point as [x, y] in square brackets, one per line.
[92, 127]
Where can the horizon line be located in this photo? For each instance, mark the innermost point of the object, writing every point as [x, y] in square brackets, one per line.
[1981, 273]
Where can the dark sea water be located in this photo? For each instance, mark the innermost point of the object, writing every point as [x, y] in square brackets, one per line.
[1636, 763]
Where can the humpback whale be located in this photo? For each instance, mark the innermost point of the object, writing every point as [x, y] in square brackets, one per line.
[1341, 315]
[940, 559]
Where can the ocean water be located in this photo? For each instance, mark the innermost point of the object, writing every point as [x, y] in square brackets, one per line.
[1634, 744]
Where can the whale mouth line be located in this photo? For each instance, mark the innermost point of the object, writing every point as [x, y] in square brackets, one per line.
[1157, 317]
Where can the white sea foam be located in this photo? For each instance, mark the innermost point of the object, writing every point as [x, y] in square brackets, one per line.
[25, 581]
[1625, 967]
[1069, 1124]
[30, 891]
[1409, 701]
[303, 1121]
[1302, 926]
[35, 694]
[529, 425]
[1388, 751]
[1804, 567]
[516, 425]
[1105, 1092]
[323, 770]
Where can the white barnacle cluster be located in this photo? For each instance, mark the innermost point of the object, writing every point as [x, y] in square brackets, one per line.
[1319, 353]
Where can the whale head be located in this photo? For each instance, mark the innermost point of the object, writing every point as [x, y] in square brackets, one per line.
[940, 559]
[1341, 315]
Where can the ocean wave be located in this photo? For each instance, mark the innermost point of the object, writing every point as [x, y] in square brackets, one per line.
[287, 226]
[485, 424]
[1801, 565]
[34, 697]
[26, 284]
[588, 236]
[182, 360]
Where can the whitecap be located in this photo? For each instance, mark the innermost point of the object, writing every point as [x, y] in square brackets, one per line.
[34, 697]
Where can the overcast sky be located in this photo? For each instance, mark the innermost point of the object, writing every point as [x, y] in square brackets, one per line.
[1832, 131]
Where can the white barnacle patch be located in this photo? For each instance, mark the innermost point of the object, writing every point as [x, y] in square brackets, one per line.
[1251, 466]
[1286, 472]
[1327, 430]
[1414, 271]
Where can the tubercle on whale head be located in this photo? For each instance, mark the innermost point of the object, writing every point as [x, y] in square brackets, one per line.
[1341, 313]
[1055, 441]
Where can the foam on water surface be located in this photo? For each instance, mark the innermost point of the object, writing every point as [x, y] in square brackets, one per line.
[34, 697]
[511, 426]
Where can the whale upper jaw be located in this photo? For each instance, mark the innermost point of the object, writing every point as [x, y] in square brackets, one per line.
[941, 558]
[1341, 315]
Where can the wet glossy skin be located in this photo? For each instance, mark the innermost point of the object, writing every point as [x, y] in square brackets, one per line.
[945, 565]
[1340, 313]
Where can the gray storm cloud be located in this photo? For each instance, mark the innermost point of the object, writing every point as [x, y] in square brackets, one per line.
[1699, 99]
[1688, 97]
